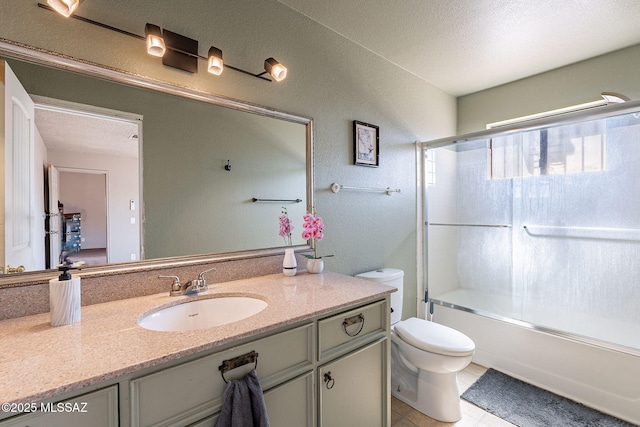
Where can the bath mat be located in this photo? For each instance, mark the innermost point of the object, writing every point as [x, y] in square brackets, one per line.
[526, 405]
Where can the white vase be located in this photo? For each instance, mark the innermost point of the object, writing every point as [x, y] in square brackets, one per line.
[289, 264]
[315, 265]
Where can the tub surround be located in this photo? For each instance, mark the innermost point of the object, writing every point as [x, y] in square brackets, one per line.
[46, 362]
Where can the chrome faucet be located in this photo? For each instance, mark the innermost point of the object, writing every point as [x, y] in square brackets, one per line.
[200, 284]
[192, 287]
[177, 288]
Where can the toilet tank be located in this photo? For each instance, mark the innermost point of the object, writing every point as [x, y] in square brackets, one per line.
[390, 277]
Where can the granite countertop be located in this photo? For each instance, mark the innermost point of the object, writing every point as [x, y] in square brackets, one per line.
[39, 361]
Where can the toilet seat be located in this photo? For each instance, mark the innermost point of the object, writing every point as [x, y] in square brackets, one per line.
[434, 338]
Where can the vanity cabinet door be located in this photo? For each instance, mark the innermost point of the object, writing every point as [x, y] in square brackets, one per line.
[288, 405]
[207, 422]
[96, 409]
[291, 404]
[354, 389]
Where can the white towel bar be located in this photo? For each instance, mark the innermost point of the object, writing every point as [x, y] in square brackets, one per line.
[629, 234]
[337, 187]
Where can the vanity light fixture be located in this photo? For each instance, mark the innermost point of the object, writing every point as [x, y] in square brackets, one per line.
[215, 65]
[64, 7]
[155, 41]
[176, 50]
[182, 52]
[276, 69]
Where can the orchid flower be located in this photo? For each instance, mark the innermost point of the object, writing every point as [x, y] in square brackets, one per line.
[285, 227]
[313, 229]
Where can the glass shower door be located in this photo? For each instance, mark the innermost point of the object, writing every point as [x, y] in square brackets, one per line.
[541, 227]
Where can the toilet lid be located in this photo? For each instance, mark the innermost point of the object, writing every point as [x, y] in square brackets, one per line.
[434, 338]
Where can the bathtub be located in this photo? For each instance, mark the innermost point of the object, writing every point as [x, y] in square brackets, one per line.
[606, 378]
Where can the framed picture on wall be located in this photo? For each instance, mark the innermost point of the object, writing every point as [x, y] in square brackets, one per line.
[366, 142]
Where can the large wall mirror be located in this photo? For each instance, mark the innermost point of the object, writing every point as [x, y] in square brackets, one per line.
[128, 171]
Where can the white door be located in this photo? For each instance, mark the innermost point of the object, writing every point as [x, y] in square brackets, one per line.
[54, 217]
[17, 157]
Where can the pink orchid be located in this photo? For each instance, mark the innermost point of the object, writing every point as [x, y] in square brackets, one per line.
[285, 227]
[313, 229]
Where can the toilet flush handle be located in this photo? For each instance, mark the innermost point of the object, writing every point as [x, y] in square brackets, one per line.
[353, 320]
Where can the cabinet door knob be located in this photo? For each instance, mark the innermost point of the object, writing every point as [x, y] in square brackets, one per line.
[329, 382]
[352, 320]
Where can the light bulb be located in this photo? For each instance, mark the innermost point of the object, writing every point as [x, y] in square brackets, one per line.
[276, 69]
[155, 42]
[64, 7]
[215, 63]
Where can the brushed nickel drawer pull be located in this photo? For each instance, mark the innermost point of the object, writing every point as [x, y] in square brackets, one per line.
[352, 320]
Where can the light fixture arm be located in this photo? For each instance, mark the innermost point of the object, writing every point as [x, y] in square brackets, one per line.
[260, 75]
[91, 21]
[136, 36]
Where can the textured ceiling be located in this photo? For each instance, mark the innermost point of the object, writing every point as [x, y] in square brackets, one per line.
[87, 134]
[463, 46]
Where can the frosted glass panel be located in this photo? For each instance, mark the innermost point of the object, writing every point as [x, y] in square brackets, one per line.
[469, 223]
[542, 226]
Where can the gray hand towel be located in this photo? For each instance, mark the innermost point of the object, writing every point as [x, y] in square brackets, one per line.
[243, 404]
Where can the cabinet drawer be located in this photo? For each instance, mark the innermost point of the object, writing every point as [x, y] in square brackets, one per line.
[98, 408]
[192, 391]
[346, 331]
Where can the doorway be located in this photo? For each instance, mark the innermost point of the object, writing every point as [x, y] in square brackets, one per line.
[83, 201]
[96, 153]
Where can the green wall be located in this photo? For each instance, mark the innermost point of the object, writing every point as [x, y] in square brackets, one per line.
[331, 79]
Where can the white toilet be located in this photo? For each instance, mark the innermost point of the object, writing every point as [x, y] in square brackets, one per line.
[425, 357]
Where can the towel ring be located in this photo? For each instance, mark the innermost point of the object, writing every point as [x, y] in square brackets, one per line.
[236, 362]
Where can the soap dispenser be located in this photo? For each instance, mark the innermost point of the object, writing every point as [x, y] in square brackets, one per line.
[64, 296]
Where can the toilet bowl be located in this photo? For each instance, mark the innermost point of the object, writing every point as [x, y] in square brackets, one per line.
[434, 354]
[425, 357]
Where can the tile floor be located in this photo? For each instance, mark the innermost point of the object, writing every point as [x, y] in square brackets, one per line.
[403, 415]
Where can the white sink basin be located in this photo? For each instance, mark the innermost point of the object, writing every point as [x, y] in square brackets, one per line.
[202, 313]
